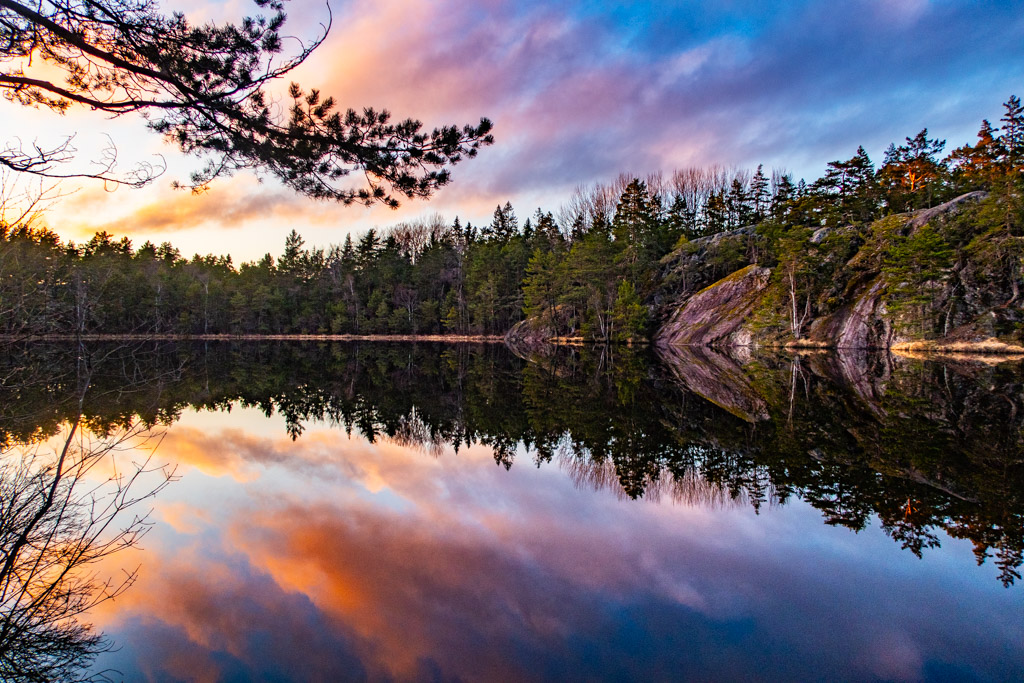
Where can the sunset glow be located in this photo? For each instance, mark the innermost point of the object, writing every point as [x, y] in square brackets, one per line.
[579, 93]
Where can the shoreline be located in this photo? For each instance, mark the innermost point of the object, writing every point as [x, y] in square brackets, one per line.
[448, 338]
[991, 348]
[987, 348]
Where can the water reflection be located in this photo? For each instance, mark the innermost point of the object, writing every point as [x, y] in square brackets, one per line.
[66, 507]
[345, 520]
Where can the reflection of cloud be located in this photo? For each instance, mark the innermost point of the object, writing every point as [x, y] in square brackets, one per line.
[184, 518]
[416, 591]
[223, 622]
[240, 455]
[501, 575]
[224, 454]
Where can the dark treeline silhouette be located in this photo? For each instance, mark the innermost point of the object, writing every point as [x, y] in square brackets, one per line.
[593, 271]
[920, 446]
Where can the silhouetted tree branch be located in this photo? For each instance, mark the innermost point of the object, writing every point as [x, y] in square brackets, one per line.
[203, 87]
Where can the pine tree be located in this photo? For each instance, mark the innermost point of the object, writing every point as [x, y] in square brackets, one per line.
[291, 261]
[540, 286]
[759, 195]
[912, 172]
[629, 317]
[977, 166]
[348, 252]
[715, 213]
[738, 207]
[863, 202]
[547, 232]
[635, 214]
[680, 221]
[366, 249]
[847, 189]
[1012, 138]
[504, 225]
[784, 193]
[635, 229]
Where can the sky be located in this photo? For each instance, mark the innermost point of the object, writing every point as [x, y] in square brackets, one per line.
[579, 92]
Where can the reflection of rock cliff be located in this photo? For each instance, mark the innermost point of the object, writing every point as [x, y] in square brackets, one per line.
[922, 445]
[717, 378]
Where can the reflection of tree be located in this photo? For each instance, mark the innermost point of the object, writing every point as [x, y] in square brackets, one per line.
[60, 516]
[914, 448]
[65, 506]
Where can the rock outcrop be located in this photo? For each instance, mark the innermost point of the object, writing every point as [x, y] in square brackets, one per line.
[924, 216]
[715, 316]
[944, 277]
[860, 323]
[529, 337]
[941, 276]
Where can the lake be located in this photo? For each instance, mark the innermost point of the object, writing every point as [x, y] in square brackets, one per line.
[459, 512]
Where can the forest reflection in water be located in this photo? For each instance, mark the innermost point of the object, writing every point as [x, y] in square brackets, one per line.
[923, 449]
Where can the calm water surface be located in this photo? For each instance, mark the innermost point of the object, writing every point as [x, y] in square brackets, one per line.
[399, 512]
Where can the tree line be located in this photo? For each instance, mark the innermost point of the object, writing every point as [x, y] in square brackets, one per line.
[591, 271]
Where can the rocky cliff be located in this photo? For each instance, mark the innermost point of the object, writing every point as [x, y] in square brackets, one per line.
[945, 277]
[717, 314]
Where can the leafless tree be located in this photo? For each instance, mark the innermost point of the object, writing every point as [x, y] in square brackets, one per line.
[24, 199]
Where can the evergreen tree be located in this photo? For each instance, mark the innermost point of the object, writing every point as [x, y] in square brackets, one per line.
[348, 252]
[911, 173]
[541, 285]
[635, 229]
[978, 166]
[760, 197]
[738, 206]
[715, 213]
[1012, 139]
[847, 190]
[785, 192]
[914, 267]
[504, 226]
[547, 232]
[680, 221]
[629, 317]
[291, 261]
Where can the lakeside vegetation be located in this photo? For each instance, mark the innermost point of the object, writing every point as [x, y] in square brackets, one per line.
[601, 270]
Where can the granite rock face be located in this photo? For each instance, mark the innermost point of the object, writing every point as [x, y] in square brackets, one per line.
[860, 323]
[943, 277]
[529, 337]
[853, 294]
[715, 316]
